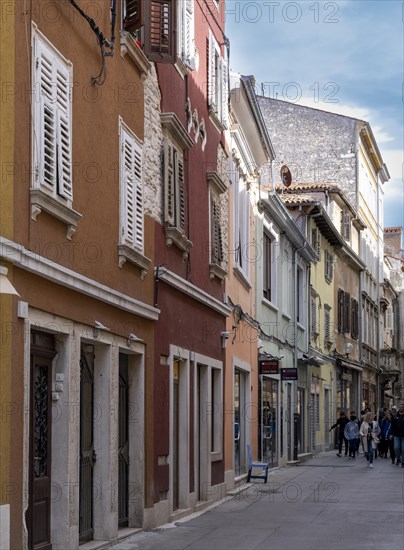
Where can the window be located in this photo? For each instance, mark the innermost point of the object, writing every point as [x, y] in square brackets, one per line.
[313, 324]
[340, 312]
[347, 312]
[216, 235]
[299, 298]
[316, 241]
[389, 318]
[217, 82]
[345, 225]
[131, 239]
[241, 219]
[268, 289]
[131, 190]
[327, 324]
[174, 186]
[154, 21]
[186, 41]
[328, 265]
[52, 186]
[176, 141]
[354, 319]
[52, 121]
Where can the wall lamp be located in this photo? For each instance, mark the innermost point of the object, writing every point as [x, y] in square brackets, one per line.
[97, 327]
[132, 338]
[5, 286]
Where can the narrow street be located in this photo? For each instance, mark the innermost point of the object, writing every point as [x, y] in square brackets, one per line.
[325, 503]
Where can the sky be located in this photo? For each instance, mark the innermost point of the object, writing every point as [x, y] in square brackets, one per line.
[344, 56]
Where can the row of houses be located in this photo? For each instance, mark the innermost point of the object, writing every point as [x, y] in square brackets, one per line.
[183, 274]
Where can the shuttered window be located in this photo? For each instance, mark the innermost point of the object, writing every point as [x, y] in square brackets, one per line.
[316, 241]
[132, 16]
[132, 225]
[160, 35]
[345, 225]
[52, 121]
[327, 324]
[340, 310]
[328, 266]
[217, 81]
[216, 230]
[267, 282]
[354, 319]
[347, 312]
[314, 329]
[174, 184]
[186, 35]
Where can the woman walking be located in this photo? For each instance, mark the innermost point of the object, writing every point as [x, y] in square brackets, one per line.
[369, 432]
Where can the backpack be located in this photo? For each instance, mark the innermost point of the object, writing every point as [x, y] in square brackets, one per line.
[351, 430]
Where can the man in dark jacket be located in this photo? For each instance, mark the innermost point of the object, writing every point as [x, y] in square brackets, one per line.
[341, 423]
[397, 432]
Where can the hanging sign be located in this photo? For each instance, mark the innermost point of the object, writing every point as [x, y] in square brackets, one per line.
[289, 374]
[269, 366]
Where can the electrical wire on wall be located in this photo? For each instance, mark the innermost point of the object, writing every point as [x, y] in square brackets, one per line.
[103, 42]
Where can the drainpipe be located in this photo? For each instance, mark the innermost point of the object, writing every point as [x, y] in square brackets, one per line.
[295, 438]
[360, 340]
[379, 369]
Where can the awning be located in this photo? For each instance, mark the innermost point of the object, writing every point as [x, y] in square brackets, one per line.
[349, 365]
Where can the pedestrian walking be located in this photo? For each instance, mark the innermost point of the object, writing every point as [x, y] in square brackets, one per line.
[397, 434]
[386, 443]
[351, 434]
[369, 432]
[341, 423]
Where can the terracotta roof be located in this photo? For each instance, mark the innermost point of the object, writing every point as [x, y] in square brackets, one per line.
[397, 229]
[307, 187]
[297, 199]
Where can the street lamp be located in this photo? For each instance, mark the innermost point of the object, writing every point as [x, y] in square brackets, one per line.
[5, 286]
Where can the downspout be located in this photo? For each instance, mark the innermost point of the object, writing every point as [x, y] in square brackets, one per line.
[360, 340]
[379, 369]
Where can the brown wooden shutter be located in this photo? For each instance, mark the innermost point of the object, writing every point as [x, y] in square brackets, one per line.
[340, 310]
[133, 15]
[347, 312]
[160, 31]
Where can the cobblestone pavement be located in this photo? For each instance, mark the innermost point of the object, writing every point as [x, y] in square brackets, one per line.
[326, 503]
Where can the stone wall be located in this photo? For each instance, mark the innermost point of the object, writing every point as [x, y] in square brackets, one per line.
[153, 147]
[314, 144]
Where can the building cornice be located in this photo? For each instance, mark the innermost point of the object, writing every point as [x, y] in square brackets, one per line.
[29, 261]
[192, 291]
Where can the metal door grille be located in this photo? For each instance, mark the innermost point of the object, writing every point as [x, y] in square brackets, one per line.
[87, 453]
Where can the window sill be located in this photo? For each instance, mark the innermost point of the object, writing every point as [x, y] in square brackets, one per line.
[241, 277]
[328, 280]
[174, 236]
[135, 53]
[42, 201]
[215, 270]
[269, 304]
[299, 325]
[129, 254]
[287, 316]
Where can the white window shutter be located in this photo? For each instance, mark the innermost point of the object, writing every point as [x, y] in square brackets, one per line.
[169, 184]
[45, 116]
[128, 189]
[52, 122]
[63, 153]
[188, 33]
[224, 93]
[139, 224]
[212, 72]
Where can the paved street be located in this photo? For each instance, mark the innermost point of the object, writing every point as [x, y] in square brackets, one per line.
[325, 503]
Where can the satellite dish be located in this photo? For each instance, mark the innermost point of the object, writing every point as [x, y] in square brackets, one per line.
[286, 176]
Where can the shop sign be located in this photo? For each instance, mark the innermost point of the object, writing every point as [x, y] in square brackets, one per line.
[269, 366]
[289, 374]
[347, 376]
